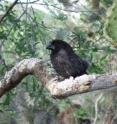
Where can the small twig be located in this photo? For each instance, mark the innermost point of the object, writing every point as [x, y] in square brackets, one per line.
[96, 108]
[7, 12]
[31, 2]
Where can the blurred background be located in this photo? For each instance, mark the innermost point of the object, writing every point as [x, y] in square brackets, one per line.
[89, 26]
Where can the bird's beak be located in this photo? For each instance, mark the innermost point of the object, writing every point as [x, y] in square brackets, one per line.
[50, 47]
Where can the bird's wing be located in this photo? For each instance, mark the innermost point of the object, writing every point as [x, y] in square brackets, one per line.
[66, 65]
[86, 64]
[80, 66]
[62, 64]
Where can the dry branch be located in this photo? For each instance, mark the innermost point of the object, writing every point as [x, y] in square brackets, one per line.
[82, 84]
[85, 83]
[20, 71]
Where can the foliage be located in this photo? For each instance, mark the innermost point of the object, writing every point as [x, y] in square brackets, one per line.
[111, 26]
[80, 113]
[25, 32]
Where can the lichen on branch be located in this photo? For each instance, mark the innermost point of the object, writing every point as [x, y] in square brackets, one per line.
[58, 89]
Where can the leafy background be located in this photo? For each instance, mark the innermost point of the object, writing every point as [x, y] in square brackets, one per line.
[89, 27]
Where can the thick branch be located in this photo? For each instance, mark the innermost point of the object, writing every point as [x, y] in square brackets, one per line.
[85, 83]
[21, 70]
[82, 84]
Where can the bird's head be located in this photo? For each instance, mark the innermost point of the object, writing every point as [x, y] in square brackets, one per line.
[56, 45]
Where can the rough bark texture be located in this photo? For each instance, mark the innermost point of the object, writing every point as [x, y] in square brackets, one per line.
[21, 70]
[85, 83]
[82, 84]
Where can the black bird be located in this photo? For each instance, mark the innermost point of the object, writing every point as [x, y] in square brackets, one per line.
[64, 60]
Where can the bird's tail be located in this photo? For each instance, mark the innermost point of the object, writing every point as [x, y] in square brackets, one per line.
[85, 64]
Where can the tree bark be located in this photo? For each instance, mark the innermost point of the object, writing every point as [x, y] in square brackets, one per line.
[58, 89]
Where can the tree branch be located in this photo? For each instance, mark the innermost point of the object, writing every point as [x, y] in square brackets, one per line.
[82, 84]
[7, 12]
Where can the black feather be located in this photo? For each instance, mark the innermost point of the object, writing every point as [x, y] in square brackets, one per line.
[65, 61]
